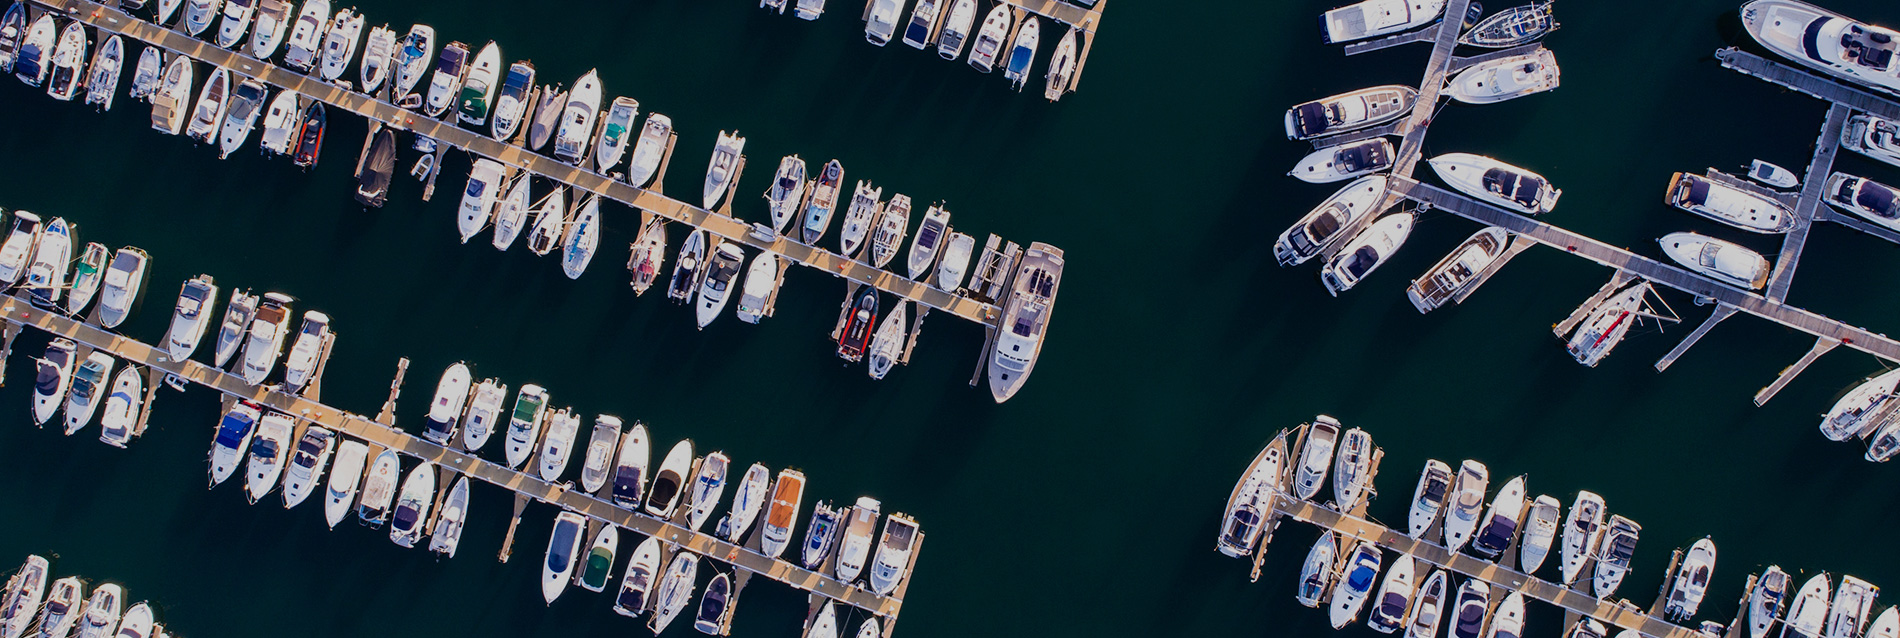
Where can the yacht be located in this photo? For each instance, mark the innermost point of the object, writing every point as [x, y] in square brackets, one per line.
[52, 377]
[598, 568]
[58, 616]
[233, 440]
[199, 15]
[1022, 53]
[266, 340]
[280, 123]
[1508, 620]
[675, 590]
[583, 238]
[237, 19]
[820, 535]
[719, 170]
[379, 50]
[1512, 27]
[880, 23]
[412, 506]
[102, 77]
[524, 424]
[644, 262]
[1374, 18]
[1316, 574]
[445, 83]
[24, 592]
[300, 366]
[687, 267]
[170, 101]
[597, 464]
[1428, 499]
[511, 213]
[759, 289]
[17, 252]
[630, 467]
[1807, 615]
[511, 106]
[238, 313]
[379, 489]
[854, 547]
[306, 464]
[1352, 469]
[1772, 175]
[119, 288]
[824, 198]
[208, 116]
[577, 119]
[309, 137]
[1466, 504]
[269, 447]
[247, 101]
[859, 323]
[1316, 457]
[721, 271]
[1468, 612]
[989, 39]
[892, 561]
[1540, 533]
[1583, 530]
[670, 481]
[1728, 204]
[101, 616]
[145, 75]
[888, 236]
[632, 599]
[1428, 606]
[708, 485]
[485, 183]
[1826, 41]
[1031, 301]
[484, 411]
[478, 87]
[1494, 81]
[89, 384]
[1355, 585]
[1349, 111]
[1766, 600]
[339, 44]
[412, 58]
[930, 235]
[1345, 161]
[856, 226]
[1500, 524]
[558, 446]
[1719, 260]
[563, 546]
[46, 276]
[33, 60]
[649, 149]
[611, 145]
[1062, 67]
[715, 607]
[956, 29]
[122, 407]
[1394, 598]
[1869, 199]
[1873, 136]
[1692, 581]
[781, 514]
[69, 61]
[1619, 546]
[1607, 324]
[550, 223]
[954, 264]
[345, 475]
[449, 523]
[747, 502]
[922, 24]
[1497, 183]
[1852, 602]
[1452, 277]
[272, 22]
[1330, 220]
[826, 624]
[888, 342]
[546, 117]
[1366, 253]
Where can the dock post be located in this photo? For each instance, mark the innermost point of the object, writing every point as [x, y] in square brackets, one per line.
[508, 542]
[1821, 346]
[1722, 311]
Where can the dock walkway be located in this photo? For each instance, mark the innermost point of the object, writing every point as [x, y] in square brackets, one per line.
[1798, 80]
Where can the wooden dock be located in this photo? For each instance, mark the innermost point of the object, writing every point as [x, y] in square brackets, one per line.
[1804, 82]
[1810, 202]
[1086, 20]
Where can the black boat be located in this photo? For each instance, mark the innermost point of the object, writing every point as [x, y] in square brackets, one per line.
[372, 178]
[309, 136]
[857, 330]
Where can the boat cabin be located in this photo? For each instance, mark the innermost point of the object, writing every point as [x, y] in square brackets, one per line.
[1846, 43]
[1524, 190]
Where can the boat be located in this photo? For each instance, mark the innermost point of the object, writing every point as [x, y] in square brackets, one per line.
[708, 484]
[280, 123]
[145, 75]
[102, 77]
[1345, 161]
[170, 102]
[25, 590]
[1507, 78]
[720, 169]
[237, 19]
[558, 446]
[1511, 27]
[379, 489]
[597, 464]
[824, 199]
[1884, 441]
[122, 407]
[309, 136]
[1466, 504]
[232, 441]
[88, 384]
[577, 119]
[1887, 625]
[306, 464]
[511, 106]
[820, 535]
[547, 115]
[1428, 606]
[630, 467]
[269, 447]
[1428, 499]
[826, 624]
[485, 182]
[1316, 457]
[583, 238]
[198, 15]
[1691, 583]
[550, 223]
[1468, 609]
[922, 24]
[340, 492]
[856, 226]
[715, 288]
[137, 622]
[339, 44]
[563, 546]
[1316, 574]
[208, 115]
[1027, 312]
[101, 616]
[747, 501]
[1587, 627]
[445, 409]
[1808, 613]
[611, 145]
[759, 289]
[511, 213]
[1540, 533]
[300, 366]
[412, 58]
[1719, 260]
[1374, 18]
[12, 31]
[892, 561]
[306, 37]
[238, 313]
[1619, 546]
[599, 566]
[989, 39]
[1826, 41]
[372, 178]
[888, 343]
[1508, 620]
[484, 411]
[1876, 202]
[1500, 523]
[637, 583]
[788, 492]
[1022, 53]
[33, 61]
[1728, 204]
[715, 607]
[862, 319]
[379, 51]
[1352, 111]
[1496, 183]
[880, 23]
[655, 137]
[888, 235]
[1366, 253]
[448, 524]
[687, 266]
[956, 29]
[1583, 530]
[1607, 324]
[478, 86]
[445, 82]
[1852, 602]
[1872, 136]
[411, 515]
[807, 10]
[1454, 276]
[56, 617]
[1355, 585]
[644, 261]
[266, 340]
[1772, 175]
[46, 275]
[1352, 469]
[247, 101]
[272, 22]
[670, 481]
[52, 376]
[17, 251]
[1062, 67]
[1329, 221]
[1394, 597]
[854, 547]
[675, 590]
[119, 287]
[954, 264]
[1766, 600]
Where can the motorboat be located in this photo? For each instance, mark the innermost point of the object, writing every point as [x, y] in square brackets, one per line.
[88, 385]
[1508, 620]
[1466, 504]
[266, 340]
[687, 267]
[1716, 259]
[583, 238]
[1691, 583]
[988, 43]
[675, 590]
[339, 44]
[1619, 546]
[169, 102]
[12, 32]
[1352, 111]
[1374, 18]
[102, 75]
[669, 483]
[1316, 457]
[1355, 583]
[87, 274]
[856, 225]
[1345, 161]
[306, 464]
[102, 612]
[247, 102]
[379, 50]
[345, 476]
[121, 412]
[1022, 52]
[198, 16]
[1366, 253]
[300, 366]
[309, 138]
[280, 123]
[632, 599]
[445, 409]
[880, 23]
[137, 622]
[1807, 615]
[449, 523]
[1330, 221]
[760, 288]
[549, 106]
[1026, 313]
[269, 447]
[524, 424]
[888, 236]
[271, 22]
[145, 76]
[478, 86]
[484, 412]
[485, 183]
[1583, 530]
[233, 440]
[923, 23]
[1607, 324]
[445, 83]
[1454, 276]
[550, 223]
[511, 213]
[1428, 606]
[854, 547]
[238, 313]
[1428, 499]
[1506, 78]
[644, 262]
[558, 446]
[1497, 183]
[826, 624]
[820, 535]
[715, 606]
[190, 318]
[1872, 136]
[16, 253]
[611, 145]
[1468, 611]
[824, 199]
[781, 514]
[929, 238]
[564, 544]
[46, 275]
[1766, 600]
[237, 19]
[1062, 67]
[1587, 627]
[412, 58]
[1874, 201]
[33, 61]
[860, 321]
[747, 501]
[707, 486]
[1728, 204]
[888, 343]
[119, 288]
[1394, 597]
[1316, 574]
[1540, 533]
[1853, 601]
[1500, 523]
[894, 549]
[577, 119]
[716, 287]
[511, 106]
[954, 263]
[807, 10]
[1352, 468]
[956, 29]
[379, 489]
[630, 467]
[598, 567]
[655, 137]
[208, 116]
[25, 590]
[52, 376]
[1887, 625]
[57, 617]
[377, 165]
[1884, 442]
[1772, 175]
[1826, 41]
[411, 515]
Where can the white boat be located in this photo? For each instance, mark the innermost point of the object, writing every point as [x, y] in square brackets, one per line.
[854, 547]
[379, 51]
[760, 287]
[707, 486]
[1540, 533]
[632, 599]
[17, 251]
[1022, 52]
[597, 568]
[1355, 584]
[1508, 620]
[524, 425]
[208, 115]
[1345, 161]
[411, 514]
[1583, 530]
[1466, 504]
[345, 475]
[119, 288]
[747, 501]
[102, 76]
[669, 483]
[1766, 600]
[888, 236]
[989, 39]
[649, 149]
[1499, 526]
[448, 524]
[88, 270]
[478, 86]
[547, 115]
[880, 22]
[597, 464]
[1587, 627]
[271, 23]
[171, 101]
[781, 514]
[232, 441]
[856, 225]
[1508, 28]
[1366, 253]
[1826, 41]
[300, 366]
[46, 275]
[306, 38]
[1027, 311]
[1728, 204]
[33, 61]
[307, 463]
[1691, 583]
[643, 263]
[675, 590]
[577, 119]
[826, 624]
[1874, 201]
[807, 10]
[630, 468]
[1887, 625]
[892, 561]
[238, 313]
[1394, 597]
[558, 446]
[1329, 221]
[923, 23]
[1316, 457]
[485, 183]
[888, 343]
[269, 448]
[1062, 67]
[715, 607]
[247, 102]
[564, 544]
[550, 223]
[1428, 606]
[198, 15]
[24, 592]
[1468, 611]
[339, 45]
[1374, 18]
[583, 238]
[956, 29]
[379, 489]
[445, 82]
[1607, 324]
[1316, 574]
[1352, 468]
[266, 339]
[237, 19]
[145, 74]
[1613, 563]
[1494, 81]
[1452, 277]
[411, 58]
[611, 145]
[89, 383]
[484, 412]
[722, 270]
[1853, 601]
[1884, 442]
[53, 375]
[1808, 613]
[137, 622]
[511, 213]
[1497, 183]
[1873, 136]
[1359, 109]
[955, 262]
[824, 199]
[720, 169]
[1428, 499]
[511, 106]
[101, 616]
[1719, 260]
[1772, 175]
[121, 412]
[687, 267]
[280, 123]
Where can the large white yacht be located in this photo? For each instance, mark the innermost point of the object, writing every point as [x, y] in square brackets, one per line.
[1328, 221]
[485, 183]
[52, 376]
[1374, 18]
[1428, 499]
[1466, 504]
[1345, 161]
[1025, 319]
[1349, 111]
[1691, 583]
[1498, 183]
[1619, 546]
[1451, 278]
[1826, 41]
[720, 169]
[484, 412]
[1719, 260]
[1583, 530]
[576, 129]
[563, 546]
[1873, 201]
[1873, 136]
[524, 426]
[1507, 78]
[306, 464]
[412, 506]
[345, 476]
[1857, 412]
[267, 334]
[1728, 204]
[300, 366]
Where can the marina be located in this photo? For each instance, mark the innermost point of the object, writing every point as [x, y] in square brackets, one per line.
[34, 603]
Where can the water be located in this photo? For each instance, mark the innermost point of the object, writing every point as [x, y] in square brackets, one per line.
[1088, 504]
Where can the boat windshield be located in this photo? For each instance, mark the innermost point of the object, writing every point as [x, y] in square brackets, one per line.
[527, 409]
[1362, 261]
[406, 516]
[475, 187]
[264, 450]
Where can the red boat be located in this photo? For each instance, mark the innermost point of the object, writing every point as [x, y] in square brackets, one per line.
[857, 329]
[309, 136]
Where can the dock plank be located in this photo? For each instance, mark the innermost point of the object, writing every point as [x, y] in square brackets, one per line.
[1804, 209]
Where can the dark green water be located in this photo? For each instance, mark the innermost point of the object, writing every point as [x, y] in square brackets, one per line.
[1088, 504]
